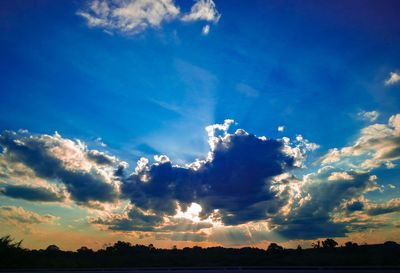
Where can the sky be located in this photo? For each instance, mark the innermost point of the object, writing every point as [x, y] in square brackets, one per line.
[206, 122]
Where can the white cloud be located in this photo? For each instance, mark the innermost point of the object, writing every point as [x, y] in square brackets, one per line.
[203, 10]
[394, 77]
[370, 116]
[339, 176]
[298, 148]
[206, 29]
[129, 17]
[378, 145]
[281, 128]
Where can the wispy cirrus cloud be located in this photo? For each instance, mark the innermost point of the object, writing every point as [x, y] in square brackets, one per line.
[369, 116]
[131, 17]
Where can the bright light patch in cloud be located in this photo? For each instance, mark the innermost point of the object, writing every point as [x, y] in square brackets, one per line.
[394, 77]
[203, 10]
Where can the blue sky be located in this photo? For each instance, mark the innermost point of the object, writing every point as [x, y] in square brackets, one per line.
[125, 80]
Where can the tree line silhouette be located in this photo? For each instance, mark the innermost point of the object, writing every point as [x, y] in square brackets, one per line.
[124, 255]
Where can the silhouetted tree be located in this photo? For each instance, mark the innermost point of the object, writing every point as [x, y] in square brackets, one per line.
[316, 245]
[329, 243]
[274, 248]
[6, 242]
[52, 248]
[350, 245]
[84, 250]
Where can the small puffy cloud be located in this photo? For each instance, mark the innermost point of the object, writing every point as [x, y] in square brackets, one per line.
[394, 77]
[298, 148]
[30, 193]
[203, 10]
[206, 29]
[281, 128]
[378, 145]
[18, 215]
[369, 116]
[129, 16]
[68, 162]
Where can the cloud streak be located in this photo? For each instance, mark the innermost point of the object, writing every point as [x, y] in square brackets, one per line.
[30, 193]
[18, 215]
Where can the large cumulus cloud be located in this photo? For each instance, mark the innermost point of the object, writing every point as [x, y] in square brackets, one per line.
[232, 184]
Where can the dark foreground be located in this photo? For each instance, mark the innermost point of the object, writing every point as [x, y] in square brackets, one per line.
[138, 258]
[230, 270]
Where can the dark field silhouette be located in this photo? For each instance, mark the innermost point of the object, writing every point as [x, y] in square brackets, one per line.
[126, 255]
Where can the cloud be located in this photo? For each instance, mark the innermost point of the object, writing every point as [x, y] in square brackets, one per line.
[394, 77]
[247, 90]
[233, 183]
[133, 219]
[298, 148]
[369, 116]
[129, 17]
[61, 160]
[206, 29]
[377, 209]
[30, 193]
[378, 145]
[101, 158]
[203, 10]
[311, 214]
[17, 216]
[281, 128]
